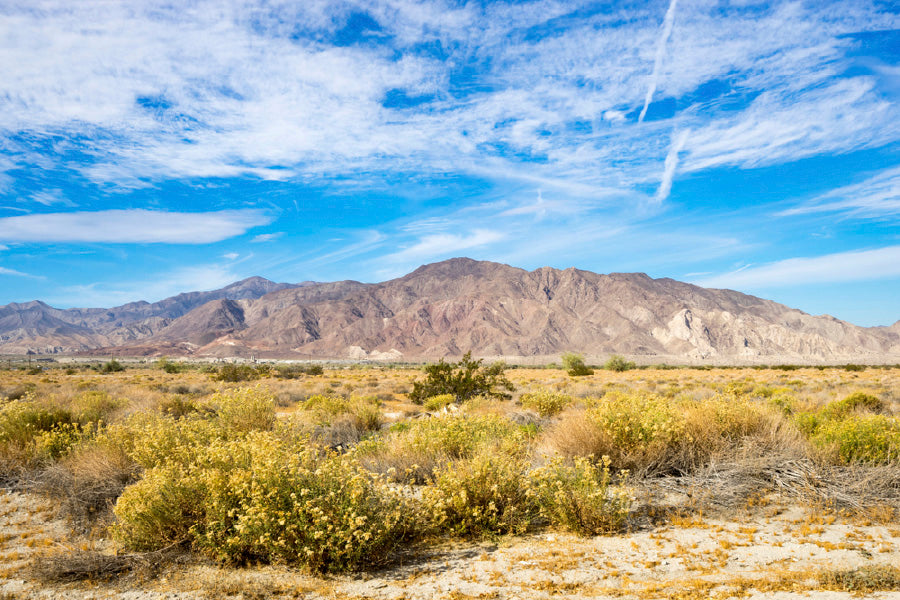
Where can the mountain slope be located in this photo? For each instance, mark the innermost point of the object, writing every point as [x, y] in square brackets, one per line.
[39, 328]
[448, 308]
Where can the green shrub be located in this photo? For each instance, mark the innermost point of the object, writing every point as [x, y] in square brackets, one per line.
[234, 373]
[852, 367]
[546, 403]
[618, 363]
[579, 496]
[297, 371]
[113, 366]
[168, 366]
[482, 496]
[464, 380]
[574, 364]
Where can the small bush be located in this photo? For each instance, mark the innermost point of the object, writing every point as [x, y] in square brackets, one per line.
[160, 510]
[338, 422]
[234, 373]
[546, 403]
[438, 402]
[113, 366]
[464, 380]
[647, 433]
[483, 496]
[245, 409]
[168, 366]
[574, 365]
[580, 497]
[89, 479]
[297, 371]
[178, 407]
[856, 402]
[618, 364]
[852, 367]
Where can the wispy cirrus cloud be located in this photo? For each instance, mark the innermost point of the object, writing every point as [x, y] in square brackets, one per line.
[858, 265]
[878, 196]
[665, 186]
[668, 23]
[232, 89]
[15, 273]
[135, 226]
[443, 245]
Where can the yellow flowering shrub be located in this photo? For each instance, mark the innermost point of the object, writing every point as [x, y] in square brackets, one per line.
[318, 510]
[161, 509]
[363, 412]
[411, 452]
[579, 496]
[263, 496]
[485, 495]
[546, 403]
[245, 409]
[860, 439]
[438, 402]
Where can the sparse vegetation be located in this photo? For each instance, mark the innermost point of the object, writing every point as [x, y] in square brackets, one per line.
[341, 471]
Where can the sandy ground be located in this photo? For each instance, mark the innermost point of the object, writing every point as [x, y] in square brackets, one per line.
[771, 551]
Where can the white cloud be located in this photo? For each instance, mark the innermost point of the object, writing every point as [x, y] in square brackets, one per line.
[14, 273]
[860, 265]
[665, 186]
[219, 89]
[668, 22]
[443, 245]
[131, 226]
[266, 237]
[877, 196]
[230, 255]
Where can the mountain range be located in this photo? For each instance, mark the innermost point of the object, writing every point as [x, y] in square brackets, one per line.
[447, 308]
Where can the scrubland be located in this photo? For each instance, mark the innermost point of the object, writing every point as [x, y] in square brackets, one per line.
[165, 478]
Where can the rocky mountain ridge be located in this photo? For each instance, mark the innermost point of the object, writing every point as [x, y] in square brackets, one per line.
[448, 308]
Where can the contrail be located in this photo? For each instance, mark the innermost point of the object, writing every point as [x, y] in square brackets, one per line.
[665, 186]
[668, 21]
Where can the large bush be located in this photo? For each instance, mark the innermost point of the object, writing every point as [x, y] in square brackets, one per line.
[264, 497]
[464, 379]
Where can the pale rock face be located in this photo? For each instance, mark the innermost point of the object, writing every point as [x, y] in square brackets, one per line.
[448, 308]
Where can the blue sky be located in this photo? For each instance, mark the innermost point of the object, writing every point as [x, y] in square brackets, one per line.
[149, 148]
